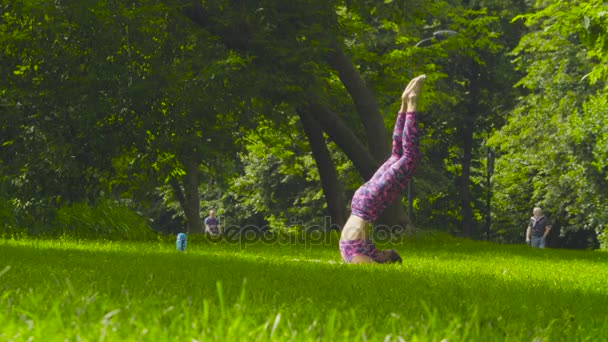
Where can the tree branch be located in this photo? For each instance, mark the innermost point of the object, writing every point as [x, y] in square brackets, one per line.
[344, 137]
[365, 103]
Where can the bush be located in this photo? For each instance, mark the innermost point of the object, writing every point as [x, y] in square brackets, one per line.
[107, 220]
[6, 215]
[580, 239]
[7, 219]
[602, 238]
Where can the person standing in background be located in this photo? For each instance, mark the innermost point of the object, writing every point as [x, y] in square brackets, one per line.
[212, 224]
[538, 229]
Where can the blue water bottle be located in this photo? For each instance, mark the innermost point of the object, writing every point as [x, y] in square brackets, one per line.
[181, 242]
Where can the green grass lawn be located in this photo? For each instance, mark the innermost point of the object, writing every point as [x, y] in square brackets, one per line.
[446, 290]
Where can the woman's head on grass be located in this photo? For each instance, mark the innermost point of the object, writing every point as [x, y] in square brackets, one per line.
[388, 256]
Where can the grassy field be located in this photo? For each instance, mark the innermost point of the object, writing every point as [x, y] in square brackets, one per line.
[446, 290]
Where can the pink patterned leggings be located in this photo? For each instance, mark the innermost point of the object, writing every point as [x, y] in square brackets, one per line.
[390, 179]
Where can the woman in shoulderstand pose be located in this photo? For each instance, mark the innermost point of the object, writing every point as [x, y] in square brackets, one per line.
[389, 181]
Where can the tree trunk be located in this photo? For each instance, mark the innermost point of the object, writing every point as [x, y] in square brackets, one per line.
[365, 103]
[466, 134]
[345, 138]
[192, 199]
[465, 180]
[178, 192]
[332, 189]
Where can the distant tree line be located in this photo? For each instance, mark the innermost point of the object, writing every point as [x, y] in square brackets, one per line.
[273, 112]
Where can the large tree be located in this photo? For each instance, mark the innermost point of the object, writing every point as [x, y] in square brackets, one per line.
[303, 44]
[92, 85]
[553, 149]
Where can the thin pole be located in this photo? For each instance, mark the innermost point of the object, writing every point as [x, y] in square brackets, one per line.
[490, 170]
[410, 200]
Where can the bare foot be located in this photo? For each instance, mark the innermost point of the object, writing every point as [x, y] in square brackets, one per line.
[414, 88]
[410, 94]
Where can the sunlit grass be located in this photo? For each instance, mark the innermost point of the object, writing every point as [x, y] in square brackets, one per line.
[446, 288]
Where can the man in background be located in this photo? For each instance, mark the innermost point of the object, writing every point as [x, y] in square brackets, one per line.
[212, 224]
[538, 229]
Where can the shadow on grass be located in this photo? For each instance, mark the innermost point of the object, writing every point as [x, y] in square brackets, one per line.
[431, 243]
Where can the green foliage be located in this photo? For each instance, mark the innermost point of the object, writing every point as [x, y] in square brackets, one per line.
[7, 219]
[470, 89]
[33, 216]
[279, 180]
[551, 152]
[106, 220]
[109, 100]
[585, 20]
[6, 216]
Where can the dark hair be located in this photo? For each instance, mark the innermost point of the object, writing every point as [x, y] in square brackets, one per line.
[391, 256]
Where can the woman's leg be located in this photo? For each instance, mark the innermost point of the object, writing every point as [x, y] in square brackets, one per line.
[374, 196]
[397, 150]
[388, 182]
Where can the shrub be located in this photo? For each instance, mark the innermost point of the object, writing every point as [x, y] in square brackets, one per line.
[7, 219]
[108, 219]
[602, 238]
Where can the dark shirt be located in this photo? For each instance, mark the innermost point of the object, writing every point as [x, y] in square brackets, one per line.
[212, 223]
[538, 226]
